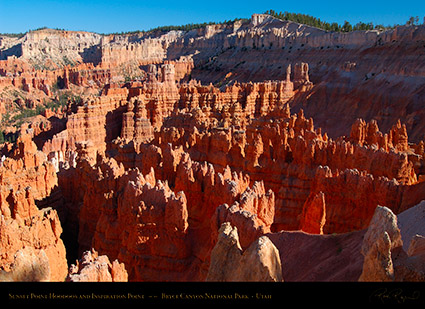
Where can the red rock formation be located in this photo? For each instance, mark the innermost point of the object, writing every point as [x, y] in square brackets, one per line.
[87, 75]
[173, 229]
[26, 177]
[362, 133]
[158, 230]
[253, 214]
[301, 78]
[151, 221]
[135, 124]
[18, 73]
[284, 155]
[97, 120]
[295, 149]
[314, 214]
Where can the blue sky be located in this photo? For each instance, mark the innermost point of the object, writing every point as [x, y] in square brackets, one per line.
[114, 16]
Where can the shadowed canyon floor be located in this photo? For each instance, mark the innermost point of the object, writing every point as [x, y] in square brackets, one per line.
[294, 153]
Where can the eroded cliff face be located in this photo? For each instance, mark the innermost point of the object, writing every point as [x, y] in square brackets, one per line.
[349, 82]
[252, 138]
[27, 176]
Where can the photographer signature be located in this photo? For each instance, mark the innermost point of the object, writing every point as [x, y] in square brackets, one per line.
[394, 295]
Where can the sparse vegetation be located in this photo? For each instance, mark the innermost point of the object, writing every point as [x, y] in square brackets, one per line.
[186, 27]
[13, 35]
[21, 114]
[67, 61]
[346, 27]
[21, 34]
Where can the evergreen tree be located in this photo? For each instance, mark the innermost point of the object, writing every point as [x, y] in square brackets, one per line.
[335, 27]
[347, 27]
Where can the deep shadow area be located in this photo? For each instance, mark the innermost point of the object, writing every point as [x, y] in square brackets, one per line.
[15, 50]
[58, 125]
[92, 54]
[114, 124]
[67, 217]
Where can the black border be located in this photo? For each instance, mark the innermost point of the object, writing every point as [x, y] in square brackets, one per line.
[15, 293]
